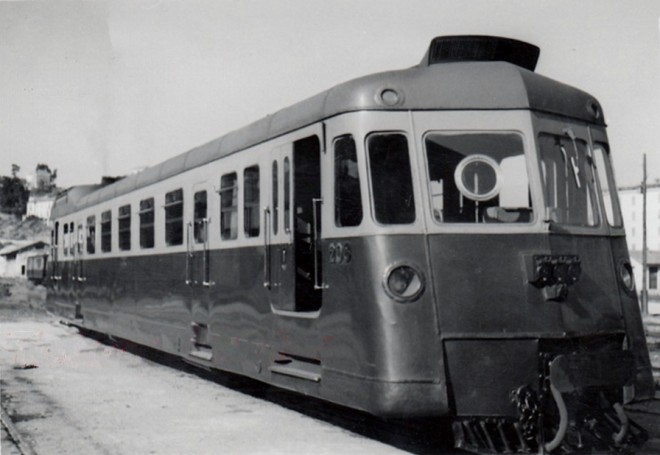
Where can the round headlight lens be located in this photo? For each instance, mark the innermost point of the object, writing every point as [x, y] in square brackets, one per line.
[404, 283]
[627, 278]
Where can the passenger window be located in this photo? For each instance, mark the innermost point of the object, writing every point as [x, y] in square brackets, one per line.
[174, 217]
[228, 207]
[91, 234]
[124, 230]
[200, 217]
[65, 236]
[251, 201]
[276, 198]
[55, 244]
[287, 196]
[147, 223]
[106, 231]
[391, 178]
[72, 240]
[348, 201]
[80, 241]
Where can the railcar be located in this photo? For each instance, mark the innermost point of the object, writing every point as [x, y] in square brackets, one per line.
[439, 241]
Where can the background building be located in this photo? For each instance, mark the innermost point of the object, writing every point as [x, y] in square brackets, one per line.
[13, 257]
[632, 208]
[40, 206]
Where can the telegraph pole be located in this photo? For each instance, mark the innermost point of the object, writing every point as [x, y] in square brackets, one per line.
[645, 296]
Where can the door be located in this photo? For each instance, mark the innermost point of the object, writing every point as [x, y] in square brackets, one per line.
[54, 265]
[78, 276]
[198, 272]
[293, 254]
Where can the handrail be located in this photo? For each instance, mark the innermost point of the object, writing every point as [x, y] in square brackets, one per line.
[188, 279]
[267, 277]
[206, 279]
[318, 282]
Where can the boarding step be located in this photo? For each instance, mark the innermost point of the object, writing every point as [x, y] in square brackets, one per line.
[297, 367]
[201, 349]
[202, 352]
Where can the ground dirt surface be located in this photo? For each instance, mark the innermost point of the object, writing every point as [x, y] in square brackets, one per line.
[72, 394]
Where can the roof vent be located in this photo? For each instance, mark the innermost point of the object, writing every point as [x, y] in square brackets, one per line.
[447, 49]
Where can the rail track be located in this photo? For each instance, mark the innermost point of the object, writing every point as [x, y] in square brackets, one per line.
[19, 443]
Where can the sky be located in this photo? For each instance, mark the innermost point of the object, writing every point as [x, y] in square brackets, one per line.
[99, 88]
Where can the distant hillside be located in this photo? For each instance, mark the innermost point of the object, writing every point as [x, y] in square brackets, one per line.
[28, 229]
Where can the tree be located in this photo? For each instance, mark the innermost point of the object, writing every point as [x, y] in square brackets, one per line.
[14, 195]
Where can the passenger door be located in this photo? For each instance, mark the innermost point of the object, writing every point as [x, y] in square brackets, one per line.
[198, 271]
[294, 258]
[280, 262]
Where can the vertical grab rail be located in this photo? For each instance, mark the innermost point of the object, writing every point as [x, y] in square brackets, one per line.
[188, 280]
[207, 259]
[267, 278]
[81, 266]
[318, 282]
[81, 271]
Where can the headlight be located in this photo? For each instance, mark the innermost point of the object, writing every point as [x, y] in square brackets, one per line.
[404, 283]
[626, 275]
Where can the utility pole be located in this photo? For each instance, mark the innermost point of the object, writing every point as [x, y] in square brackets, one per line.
[645, 296]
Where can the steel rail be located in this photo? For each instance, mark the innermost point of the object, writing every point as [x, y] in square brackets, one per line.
[23, 447]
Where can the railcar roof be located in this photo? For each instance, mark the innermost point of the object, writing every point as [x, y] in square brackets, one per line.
[448, 86]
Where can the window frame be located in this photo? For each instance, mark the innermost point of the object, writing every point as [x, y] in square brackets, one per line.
[65, 239]
[275, 195]
[200, 234]
[251, 220]
[106, 234]
[90, 232]
[489, 226]
[413, 188]
[147, 227]
[226, 232]
[124, 227]
[336, 188]
[174, 217]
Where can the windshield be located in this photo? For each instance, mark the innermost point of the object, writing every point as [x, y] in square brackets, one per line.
[478, 178]
[568, 180]
[607, 187]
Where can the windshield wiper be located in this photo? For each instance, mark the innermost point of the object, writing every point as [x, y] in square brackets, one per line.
[573, 159]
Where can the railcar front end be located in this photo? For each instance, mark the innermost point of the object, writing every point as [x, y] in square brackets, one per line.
[494, 284]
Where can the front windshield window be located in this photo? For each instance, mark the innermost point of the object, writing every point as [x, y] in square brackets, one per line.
[607, 187]
[478, 178]
[568, 180]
